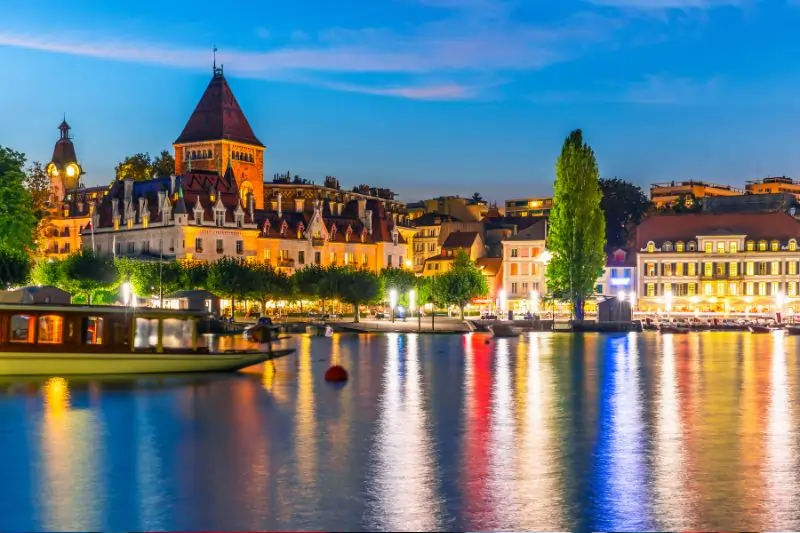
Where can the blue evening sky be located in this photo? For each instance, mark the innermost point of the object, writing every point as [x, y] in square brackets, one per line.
[427, 97]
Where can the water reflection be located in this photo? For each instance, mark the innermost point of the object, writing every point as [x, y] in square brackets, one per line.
[549, 432]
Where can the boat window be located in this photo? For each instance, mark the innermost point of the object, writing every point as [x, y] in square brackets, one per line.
[146, 333]
[178, 333]
[93, 330]
[51, 329]
[22, 328]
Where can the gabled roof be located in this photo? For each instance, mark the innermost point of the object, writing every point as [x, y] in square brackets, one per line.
[460, 239]
[433, 219]
[218, 117]
[490, 266]
[533, 232]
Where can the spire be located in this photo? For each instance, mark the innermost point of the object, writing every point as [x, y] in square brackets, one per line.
[64, 128]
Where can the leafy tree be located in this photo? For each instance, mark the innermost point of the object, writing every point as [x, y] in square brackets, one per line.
[17, 219]
[148, 278]
[163, 165]
[463, 282]
[357, 286]
[86, 274]
[15, 268]
[231, 278]
[308, 281]
[38, 184]
[624, 205]
[48, 272]
[399, 279]
[267, 283]
[138, 166]
[577, 226]
[194, 275]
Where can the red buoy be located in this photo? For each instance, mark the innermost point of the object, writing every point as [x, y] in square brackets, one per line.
[336, 373]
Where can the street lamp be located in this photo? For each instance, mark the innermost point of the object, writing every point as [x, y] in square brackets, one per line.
[392, 301]
[621, 296]
[409, 264]
[412, 301]
[502, 301]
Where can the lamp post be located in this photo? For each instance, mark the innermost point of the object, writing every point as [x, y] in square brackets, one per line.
[392, 301]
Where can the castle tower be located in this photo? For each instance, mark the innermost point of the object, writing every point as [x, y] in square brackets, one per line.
[217, 135]
[63, 168]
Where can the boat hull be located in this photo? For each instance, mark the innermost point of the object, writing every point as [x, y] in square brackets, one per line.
[85, 364]
[504, 331]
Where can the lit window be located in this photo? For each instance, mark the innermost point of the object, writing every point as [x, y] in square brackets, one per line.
[750, 245]
[733, 289]
[22, 328]
[748, 288]
[651, 289]
[791, 268]
[720, 288]
[93, 330]
[776, 287]
[679, 269]
[709, 247]
[762, 246]
[791, 288]
[51, 329]
[750, 268]
[720, 247]
[651, 247]
[691, 289]
[792, 245]
[762, 288]
[775, 245]
[733, 268]
[775, 268]
[708, 269]
[734, 247]
[679, 246]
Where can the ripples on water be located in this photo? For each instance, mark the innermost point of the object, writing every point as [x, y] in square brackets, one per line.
[551, 432]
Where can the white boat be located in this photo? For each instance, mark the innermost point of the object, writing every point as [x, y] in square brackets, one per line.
[501, 330]
[58, 340]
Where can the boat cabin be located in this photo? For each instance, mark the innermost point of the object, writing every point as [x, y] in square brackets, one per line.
[71, 328]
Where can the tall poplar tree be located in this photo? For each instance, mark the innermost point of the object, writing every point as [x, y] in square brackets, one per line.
[576, 237]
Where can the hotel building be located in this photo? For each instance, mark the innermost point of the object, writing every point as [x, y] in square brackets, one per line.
[529, 207]
[718, 263]
[665, 194]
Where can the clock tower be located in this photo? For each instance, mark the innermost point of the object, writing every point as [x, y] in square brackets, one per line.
[63, 168]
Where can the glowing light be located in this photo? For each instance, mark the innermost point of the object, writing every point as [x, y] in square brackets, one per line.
[618, 282]
[779, 301]
[126, 293]
[632, 299]
[621, 296]
[668, 300]
[71, 171]
[545, 257]
[695, 300]
[412, 300]
[393, 298]
[534, 302]
[503, 300]
[408, 263]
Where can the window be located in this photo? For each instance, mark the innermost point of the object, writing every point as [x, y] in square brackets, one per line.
[514, 269]
[146, 222]
[720, 288]
[51, 329]
[118, 248]
[708, 247]
[239, 220]
[131, 247]
[762, 246]
[525, 287]
[145, 247]
[198, 245]
[775, 246]
[775, 268]
[130, 223]
[776, 287]
[690, 289]
[650, 289]
[748, 288]
[708, 289]
[514, 288]
[791, 268]
[350, 258]
[679, 247]
[239, 247]
[668, 269]
[750, 246]
[514, 252]
[733, 268]
[389, 261]
[733, 289]
[733, 247]
[761, 268]
[792, 245]
[301, 257]
[708, 269]
[791, 288]
[93, 330]
[749, 268]
[317, 258]
[720, 247]
[22, 328]
[720, 269]
[198, 218]
[667, 288]
[284, 255]
[220, 246]
[762, 288]
[219, 217]
[116, 223]
[651, 247]
[692, 246]
[679, 269]
[692, 269]
[667, 246]
[650, 269]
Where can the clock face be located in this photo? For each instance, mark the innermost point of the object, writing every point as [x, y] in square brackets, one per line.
[52, 170]
[72, 170]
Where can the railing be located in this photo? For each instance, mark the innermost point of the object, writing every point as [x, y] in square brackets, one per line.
[317, 242]
[286, 263]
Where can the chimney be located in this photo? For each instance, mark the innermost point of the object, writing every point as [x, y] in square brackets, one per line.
[162, 195]
[142, 207]
[128, 188]
[362, 207]
[298, 204]
[280, 207]
[368, 220]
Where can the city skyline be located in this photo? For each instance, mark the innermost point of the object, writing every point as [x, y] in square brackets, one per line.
[426, 97]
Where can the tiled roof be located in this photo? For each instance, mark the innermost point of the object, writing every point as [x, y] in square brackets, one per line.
[218, 117]
[460, 239]
[491, 265]
[433, 219]
[687, 227]
[535, 229]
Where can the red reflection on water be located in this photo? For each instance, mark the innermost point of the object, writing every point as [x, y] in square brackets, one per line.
[478, 399]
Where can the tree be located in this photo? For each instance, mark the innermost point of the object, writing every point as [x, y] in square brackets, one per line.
[399, 279]
[267, 283]
[358, 286]
[149, 278]
[17, 219]
[163, 165]
[38, 184]
[48, 272]
[231, 278]
[194, 275]
[624, 205]
[86, 274]
[477, 198]
[15, 268]
[459, 285]
[138, 166]
[577, 226]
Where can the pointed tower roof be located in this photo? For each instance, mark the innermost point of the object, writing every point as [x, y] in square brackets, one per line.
[218, 117]
[64, 150]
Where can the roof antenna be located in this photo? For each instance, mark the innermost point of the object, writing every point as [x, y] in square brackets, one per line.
[215, 59]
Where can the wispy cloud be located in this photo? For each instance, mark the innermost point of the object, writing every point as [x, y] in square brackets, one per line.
[663, 89]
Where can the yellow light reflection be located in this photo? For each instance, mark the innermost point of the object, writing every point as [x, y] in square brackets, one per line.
[672, 502]
[306, 419]
[405, 478]
[501, 469]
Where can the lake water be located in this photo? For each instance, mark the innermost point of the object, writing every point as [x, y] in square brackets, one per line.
[549, 432]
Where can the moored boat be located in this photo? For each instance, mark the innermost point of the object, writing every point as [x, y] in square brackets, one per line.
[679, 330]
[755, 328]
[501, 330]
[57, 340]
[793, 330]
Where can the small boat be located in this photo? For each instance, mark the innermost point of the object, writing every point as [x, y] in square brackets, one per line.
[755, 328]
[501, 330]
[675, 330]
[319, 330]
[60, 340]
[793, 330]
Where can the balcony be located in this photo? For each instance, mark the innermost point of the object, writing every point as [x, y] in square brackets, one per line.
[318, 242]
[286, 263]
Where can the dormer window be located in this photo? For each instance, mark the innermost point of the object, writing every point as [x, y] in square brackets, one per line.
[284, 227]
[775, 246]
[395, 236]
[750, 246]
[146, 221]
[348, 233]
[651, 247]
[198, 218]
[116, 223]
[762, 246]
[130, 223]
[267, 227]
[667, 246]
[792, 245]
[679, 246]
[692, 246]
[239, 220]
[300, 229]
[219, 217]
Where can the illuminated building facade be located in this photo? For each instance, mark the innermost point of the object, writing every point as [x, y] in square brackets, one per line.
[666, 194]
[524, 264]
[529, 207]
[720, 263]
[469, 242]
[774, 185]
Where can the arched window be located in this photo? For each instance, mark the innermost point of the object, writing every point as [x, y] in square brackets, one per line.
[692, 246]
[679, 246]
[762, 246]
[792, 245]
[651, 247]
[667, 246]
